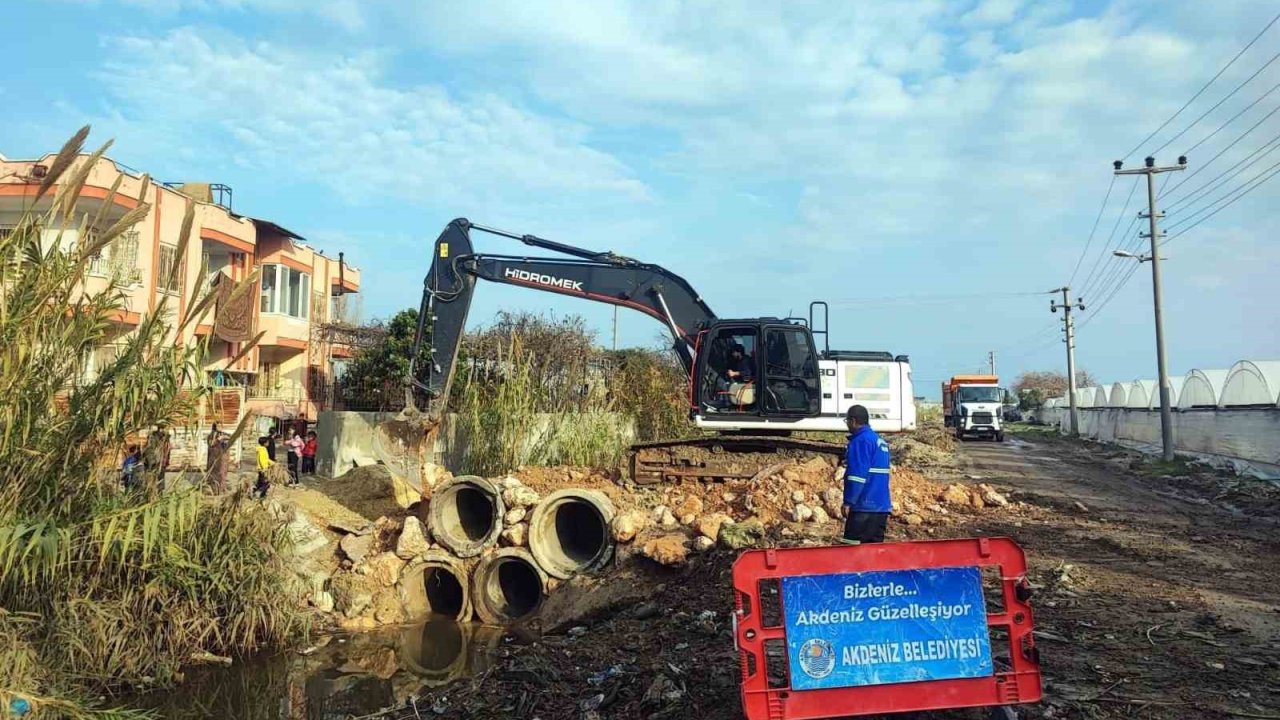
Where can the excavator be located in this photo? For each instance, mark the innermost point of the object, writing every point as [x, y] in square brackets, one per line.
[753, 385]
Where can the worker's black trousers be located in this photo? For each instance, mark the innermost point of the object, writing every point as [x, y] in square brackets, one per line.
[865, 527]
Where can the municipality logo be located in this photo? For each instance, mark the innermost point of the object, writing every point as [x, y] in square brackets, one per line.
[817, 658]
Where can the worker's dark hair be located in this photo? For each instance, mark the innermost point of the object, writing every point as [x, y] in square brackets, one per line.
[860, 414]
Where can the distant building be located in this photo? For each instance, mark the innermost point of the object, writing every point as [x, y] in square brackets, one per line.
[300, 293]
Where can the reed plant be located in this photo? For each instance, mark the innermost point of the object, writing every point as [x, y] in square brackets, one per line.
[104, 590]
[509, 415]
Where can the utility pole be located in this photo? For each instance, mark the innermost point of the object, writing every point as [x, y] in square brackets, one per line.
[991, 360]
[1166, 412]
[1069, 327]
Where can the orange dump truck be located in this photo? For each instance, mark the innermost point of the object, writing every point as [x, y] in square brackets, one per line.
[971, 405]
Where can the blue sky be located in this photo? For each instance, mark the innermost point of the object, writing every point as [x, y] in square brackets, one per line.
[923, 166]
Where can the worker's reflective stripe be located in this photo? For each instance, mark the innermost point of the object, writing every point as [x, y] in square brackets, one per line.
[856, 479]
[879, 470]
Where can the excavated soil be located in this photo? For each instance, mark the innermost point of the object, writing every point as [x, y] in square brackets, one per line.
[1155, 593]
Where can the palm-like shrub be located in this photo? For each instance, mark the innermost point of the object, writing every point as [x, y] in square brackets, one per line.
[102, 589]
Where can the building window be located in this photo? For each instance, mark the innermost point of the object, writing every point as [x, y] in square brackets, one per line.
[269, 288]
[119, 260]
[286, 291]
[166, 280]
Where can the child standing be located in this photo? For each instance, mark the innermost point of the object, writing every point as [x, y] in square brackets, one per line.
[295, 445]
[309, 454]
[264, 462]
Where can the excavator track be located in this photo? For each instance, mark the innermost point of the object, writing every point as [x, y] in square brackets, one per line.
[722, 457]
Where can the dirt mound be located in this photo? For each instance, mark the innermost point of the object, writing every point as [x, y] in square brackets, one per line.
[930, 445]
[546, 480]
[369, 491]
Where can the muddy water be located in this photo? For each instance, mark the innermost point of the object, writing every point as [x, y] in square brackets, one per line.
[351, 675]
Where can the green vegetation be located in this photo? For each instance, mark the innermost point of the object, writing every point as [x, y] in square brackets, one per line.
[104, 590]
[1155, 467]
[379, 371]
[535, 391]
[1034, 432]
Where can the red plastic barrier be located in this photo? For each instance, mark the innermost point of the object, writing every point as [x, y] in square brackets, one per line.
[1016, 677]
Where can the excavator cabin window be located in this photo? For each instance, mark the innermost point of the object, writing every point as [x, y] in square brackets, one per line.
[729, 370]
[791, 384]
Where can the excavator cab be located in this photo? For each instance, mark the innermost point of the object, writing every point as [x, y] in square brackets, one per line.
[759, 367]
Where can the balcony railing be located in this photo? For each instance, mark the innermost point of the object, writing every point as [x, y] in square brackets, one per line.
[287, 392]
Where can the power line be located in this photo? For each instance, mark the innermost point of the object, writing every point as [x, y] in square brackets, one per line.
[1116, 291]
[1096, 220]
[925, 299]
[1115, 267]
[1115, 270]
[1202, 89]
[1239, 167]
[1223, 207]
[1223, 151]
[1110, 237]
[1218, 104]
[1233, 118]
[1211, 203]
[1106, 273]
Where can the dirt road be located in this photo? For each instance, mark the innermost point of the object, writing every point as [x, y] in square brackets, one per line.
[1161, 589]
[1158, 590]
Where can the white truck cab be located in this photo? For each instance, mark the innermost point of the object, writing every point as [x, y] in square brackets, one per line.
[973, 405]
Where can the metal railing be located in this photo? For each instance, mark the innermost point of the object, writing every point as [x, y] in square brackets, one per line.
[288, 392]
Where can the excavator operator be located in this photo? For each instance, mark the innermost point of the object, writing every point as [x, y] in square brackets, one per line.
[738, 367]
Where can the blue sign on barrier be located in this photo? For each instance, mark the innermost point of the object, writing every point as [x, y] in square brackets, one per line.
[889, 626]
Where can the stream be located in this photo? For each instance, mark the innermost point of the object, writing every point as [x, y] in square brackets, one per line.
[342, 676]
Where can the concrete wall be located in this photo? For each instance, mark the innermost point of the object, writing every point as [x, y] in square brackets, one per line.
[346, 439]
[1249, 438]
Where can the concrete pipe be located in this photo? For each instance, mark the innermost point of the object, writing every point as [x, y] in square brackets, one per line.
[465, 515]
[436, 651]
[507, 585]
[436, 588]
[569, 532]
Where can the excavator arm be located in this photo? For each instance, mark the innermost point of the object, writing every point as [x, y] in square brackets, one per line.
[597, 276]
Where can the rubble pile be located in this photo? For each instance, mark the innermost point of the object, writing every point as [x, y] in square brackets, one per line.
[375, 571]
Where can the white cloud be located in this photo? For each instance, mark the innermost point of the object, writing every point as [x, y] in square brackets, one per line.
[938, 142]
[337, 121]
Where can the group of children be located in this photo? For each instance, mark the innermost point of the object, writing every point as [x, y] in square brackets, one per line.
[301, 459]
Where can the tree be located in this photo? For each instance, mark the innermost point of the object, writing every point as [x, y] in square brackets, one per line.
[1036, 386]
[384, 368]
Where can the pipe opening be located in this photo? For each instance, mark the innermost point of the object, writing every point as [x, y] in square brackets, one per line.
[470, 512]
[465, 515]
[445, 596]
[580, 534]
[569, 532]
[513, 588]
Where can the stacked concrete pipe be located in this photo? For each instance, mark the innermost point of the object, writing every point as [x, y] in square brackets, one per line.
[569, 532]
[465, 515]
[438, 586]
[507, 585]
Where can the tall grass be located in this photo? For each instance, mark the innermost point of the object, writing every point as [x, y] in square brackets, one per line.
[102, 590]
[509, 416]
[534, 390]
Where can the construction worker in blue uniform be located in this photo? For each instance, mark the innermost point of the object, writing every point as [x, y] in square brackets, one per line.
[866, 482]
